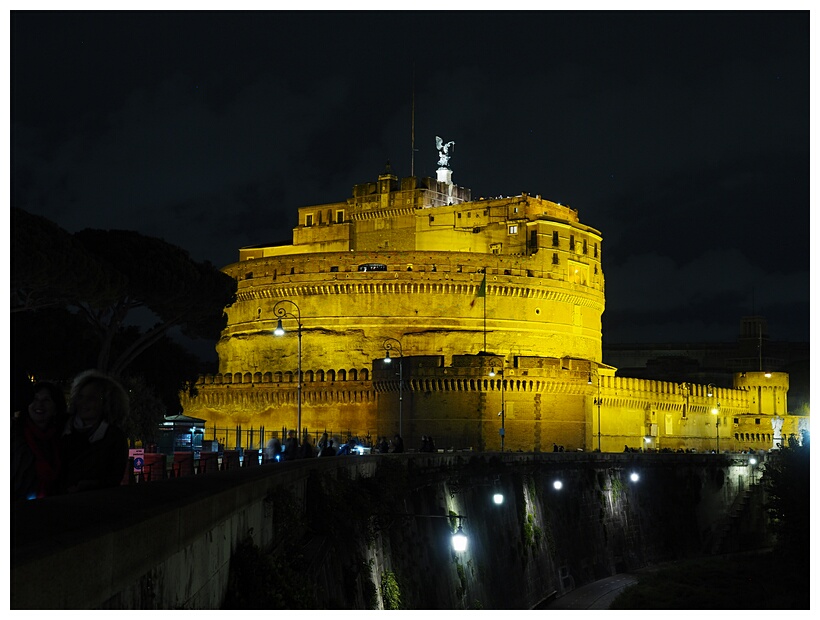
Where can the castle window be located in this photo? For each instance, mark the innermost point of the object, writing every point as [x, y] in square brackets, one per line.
[372, 267]
[596, 269]
[572, 243]
[334, 268]
[513, 230]
[340, 217]
[585, 246]
[309, 219]
[596, 251]
[555, 258]
[555, 238]
[735, 420]
[757, 421]
[459, 215]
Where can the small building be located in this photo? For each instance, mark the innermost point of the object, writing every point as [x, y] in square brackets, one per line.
[180, 433]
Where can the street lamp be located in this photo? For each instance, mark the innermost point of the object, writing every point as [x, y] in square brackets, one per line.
[388, 345]
[503, 388]
[716, 412]
[597, 401]
[280, 311]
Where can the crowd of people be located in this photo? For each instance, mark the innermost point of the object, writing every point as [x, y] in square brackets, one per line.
[275, 452]
[61, 447]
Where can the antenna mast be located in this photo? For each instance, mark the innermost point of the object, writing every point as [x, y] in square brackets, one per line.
[413, 124]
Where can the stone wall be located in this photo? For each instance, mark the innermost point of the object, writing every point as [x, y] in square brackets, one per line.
[349, 523]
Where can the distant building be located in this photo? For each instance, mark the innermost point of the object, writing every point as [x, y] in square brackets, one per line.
[490, 310]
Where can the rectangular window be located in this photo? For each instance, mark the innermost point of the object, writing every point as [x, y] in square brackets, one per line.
[340, 217]
[596, 250]
[513, 230]
[572, 243]
[757, 421]
[585, 246]
[334, 268]
[555, 258]
[309, 220]
[555, 238]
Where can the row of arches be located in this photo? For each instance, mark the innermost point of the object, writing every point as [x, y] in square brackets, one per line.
[286, 376]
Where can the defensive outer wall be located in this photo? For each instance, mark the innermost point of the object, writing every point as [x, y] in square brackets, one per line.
[567, 402]
[169, 544]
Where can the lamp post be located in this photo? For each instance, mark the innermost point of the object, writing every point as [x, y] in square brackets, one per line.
[716, 412]
[280, 310]
[710, 391]
[388, 345]
[502, 430]
[597, 401]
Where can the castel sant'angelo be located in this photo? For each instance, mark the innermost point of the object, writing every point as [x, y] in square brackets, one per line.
[490, 312]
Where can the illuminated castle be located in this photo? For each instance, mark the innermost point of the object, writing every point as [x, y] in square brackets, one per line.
[490, 311]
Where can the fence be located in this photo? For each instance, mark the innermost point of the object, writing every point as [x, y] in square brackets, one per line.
[257, 438]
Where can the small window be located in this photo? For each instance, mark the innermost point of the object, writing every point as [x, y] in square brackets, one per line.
[585, 246]
[515, 210]
[459, 215]
[469, 215]
[555, 238]
[432, 219]
[249, 275]
[513, 230]
[554, 258]
[735, 420]
[340, 217]
[334, 268]
[309, 220]
[757, 421]
[596, 251]
[572, 243]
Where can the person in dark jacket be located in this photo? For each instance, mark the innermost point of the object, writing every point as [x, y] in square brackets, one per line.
[35, 444]
[291, 447]
[94, 449]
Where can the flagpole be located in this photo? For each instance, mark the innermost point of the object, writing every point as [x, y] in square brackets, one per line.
[485, 309]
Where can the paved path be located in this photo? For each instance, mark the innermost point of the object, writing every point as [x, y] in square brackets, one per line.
[596, 595]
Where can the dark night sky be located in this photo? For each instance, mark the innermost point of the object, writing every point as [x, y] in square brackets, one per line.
[682, 137]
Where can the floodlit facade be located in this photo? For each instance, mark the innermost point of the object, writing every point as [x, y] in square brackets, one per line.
[490, 311]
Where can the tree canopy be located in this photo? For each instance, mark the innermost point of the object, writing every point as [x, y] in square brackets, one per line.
[106, 275]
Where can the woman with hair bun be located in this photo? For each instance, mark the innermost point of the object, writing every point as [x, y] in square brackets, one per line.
[94, 448]
[35, 444]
